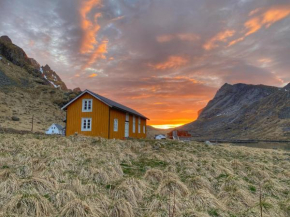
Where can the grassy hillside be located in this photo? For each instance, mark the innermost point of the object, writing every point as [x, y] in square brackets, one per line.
[23, 95]
[80, 176]
[24, 92]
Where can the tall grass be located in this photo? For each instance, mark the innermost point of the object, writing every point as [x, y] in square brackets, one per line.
[82, 176]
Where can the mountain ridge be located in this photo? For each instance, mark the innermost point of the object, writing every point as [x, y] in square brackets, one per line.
[244, 111]
[17, 56]
[26, 93]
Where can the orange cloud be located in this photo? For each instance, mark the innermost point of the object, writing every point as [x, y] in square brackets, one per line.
[266, 18]
[220, 37]
[90, 28]
[182, 37]
[172, 62]
[93, 75]
[99, 53]
[275, 14]
[164, 38]
[253, 25]
[236, 41]
[186, 78]
[265, 60]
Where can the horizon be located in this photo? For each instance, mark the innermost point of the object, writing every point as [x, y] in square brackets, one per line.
[165, 59]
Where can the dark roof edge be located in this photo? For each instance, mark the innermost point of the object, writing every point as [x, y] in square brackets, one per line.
[85, 91]
[112, 106]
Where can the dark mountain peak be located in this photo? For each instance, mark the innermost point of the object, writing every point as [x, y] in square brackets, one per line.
[287, 87]
[6, 39]
[226, 85]
[52, 77]
[13, 53]
[46, 67]
[244, 111]
[230, 99]
[34, 63]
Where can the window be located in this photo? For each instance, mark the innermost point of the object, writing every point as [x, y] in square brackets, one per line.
[116, 125]
[134, 124]
[86, 124]
[144, 129]
[127, 117]
[87, 105]
[139, 125]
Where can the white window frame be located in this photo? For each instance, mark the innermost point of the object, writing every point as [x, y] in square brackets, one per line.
[85, 123]
[116, 125]
[144, 129]
[139, 125]
[134, 124]
[87, 101]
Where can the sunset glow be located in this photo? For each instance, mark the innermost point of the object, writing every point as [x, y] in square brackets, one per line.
[166, 59]
[167, 126]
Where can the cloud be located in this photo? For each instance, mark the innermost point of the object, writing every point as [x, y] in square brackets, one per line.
[89, 27]
[93, 75]
[172, 62]
[220, 37]
[265, 18]
[151, 55]
[99, 53]
[183, 37]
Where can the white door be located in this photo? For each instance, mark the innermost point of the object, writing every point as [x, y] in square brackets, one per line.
[126, 129]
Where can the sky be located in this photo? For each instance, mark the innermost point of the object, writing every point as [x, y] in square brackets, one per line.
[164, 58]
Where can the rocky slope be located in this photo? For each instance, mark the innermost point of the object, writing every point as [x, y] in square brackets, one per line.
[52, 77]
[26, 92]
[244, 111]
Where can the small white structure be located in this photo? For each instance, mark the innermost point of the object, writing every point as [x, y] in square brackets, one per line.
[55, 129]
[160, 136]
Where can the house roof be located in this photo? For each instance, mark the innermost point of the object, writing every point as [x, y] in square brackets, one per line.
[108, 102]
[58, 126]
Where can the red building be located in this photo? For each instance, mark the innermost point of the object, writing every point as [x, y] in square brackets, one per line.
[179, 135]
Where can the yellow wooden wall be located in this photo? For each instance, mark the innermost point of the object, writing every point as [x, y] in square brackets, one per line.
[121, 116]
[100, 120]
[99, 115]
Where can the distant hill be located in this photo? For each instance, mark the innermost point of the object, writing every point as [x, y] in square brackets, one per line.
[244, 111]
[152, 131]
[27, 90]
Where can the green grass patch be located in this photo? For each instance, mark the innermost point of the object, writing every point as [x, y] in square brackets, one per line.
[138, 168]
[213, 212]
[252, 188]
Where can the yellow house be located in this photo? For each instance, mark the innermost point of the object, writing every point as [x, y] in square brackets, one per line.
[93, 115]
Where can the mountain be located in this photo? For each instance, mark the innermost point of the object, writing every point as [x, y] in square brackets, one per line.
[52, 77]
[243, 111]
[26, 92]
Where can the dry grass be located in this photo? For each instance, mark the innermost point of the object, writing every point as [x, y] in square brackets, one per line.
[27, 98]
[81, 176]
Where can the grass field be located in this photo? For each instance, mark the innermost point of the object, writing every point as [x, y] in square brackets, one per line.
[81, 176]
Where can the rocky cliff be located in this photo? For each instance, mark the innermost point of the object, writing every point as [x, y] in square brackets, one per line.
[244, 111]
[26, 92]
[52, 77]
